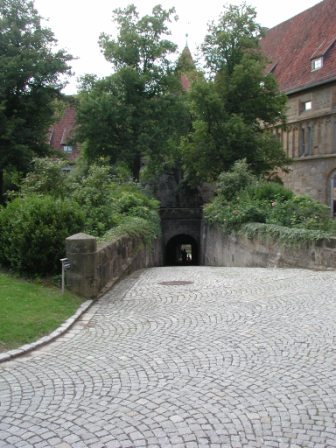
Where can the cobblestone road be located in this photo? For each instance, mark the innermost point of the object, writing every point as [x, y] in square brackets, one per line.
[185, 357]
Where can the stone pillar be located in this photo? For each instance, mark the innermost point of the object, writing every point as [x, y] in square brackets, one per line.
[81, 251]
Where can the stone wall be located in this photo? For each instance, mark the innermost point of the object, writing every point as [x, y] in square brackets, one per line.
[310, 140]
[178, 221]
[218, 249]
[96, 267]
[311, 176]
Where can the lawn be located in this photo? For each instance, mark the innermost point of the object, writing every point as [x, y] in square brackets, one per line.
[30, 310]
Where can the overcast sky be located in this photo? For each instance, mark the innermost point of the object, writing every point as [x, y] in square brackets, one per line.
[77, 24]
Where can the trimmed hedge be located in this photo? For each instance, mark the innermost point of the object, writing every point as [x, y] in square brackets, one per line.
[33, 231]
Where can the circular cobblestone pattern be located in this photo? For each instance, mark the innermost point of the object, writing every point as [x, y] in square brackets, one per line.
[226, 357]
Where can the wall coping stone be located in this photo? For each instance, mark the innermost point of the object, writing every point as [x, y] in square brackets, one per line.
[219, 249]
[81, 243]
[96, 266]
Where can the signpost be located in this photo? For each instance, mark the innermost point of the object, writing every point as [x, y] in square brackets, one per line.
[65, 266]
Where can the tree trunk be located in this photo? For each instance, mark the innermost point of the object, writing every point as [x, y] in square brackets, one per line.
[2, 198]
[136, 167]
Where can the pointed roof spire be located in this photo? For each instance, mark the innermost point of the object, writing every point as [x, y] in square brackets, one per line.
[186, 67]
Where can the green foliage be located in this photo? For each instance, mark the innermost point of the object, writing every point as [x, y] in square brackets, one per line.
[47, 177]
[140, 43]
[232, 111]
[30, 72]
[132, 202]
[102, 192]
[105, 202]
[285, 235]
[232, 215]
[301, 211]
[232, 182]
[228, 40]
[93, 193]
[185, 64]
[267, 191]
[33, 231]
[134, 227]
[134, 113]
[33, 227]
[243, 198]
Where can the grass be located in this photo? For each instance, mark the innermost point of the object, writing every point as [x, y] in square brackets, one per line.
[29, 310]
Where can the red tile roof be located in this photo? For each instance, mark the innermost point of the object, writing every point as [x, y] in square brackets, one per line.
[291, 46]
[61, 132]
[185, 82]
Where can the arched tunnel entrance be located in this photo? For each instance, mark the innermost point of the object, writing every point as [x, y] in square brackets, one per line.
[181, 250]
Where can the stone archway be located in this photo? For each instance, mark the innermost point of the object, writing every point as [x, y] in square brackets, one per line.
[182, 250]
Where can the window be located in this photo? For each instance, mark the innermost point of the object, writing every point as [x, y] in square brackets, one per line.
[310, 139]
[307, 105]
[333, 194]
[66, 169]
[317, 63]
[302, 142]
[67, 149]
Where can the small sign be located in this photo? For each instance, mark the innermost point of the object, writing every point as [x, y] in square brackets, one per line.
[66, 265]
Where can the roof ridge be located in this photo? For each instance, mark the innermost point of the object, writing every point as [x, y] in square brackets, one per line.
[291, 46]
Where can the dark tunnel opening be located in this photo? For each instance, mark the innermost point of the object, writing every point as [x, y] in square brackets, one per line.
[181, 250]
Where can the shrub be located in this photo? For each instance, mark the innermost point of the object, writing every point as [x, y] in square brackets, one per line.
[233, 182]
[287, 236]
[268, 191]
[231, 215]
[243, 199]
[132, 202]
[93, 194]
[106, 202]
[33, 231]
[47, 177]
[302, 212]
[133, 227]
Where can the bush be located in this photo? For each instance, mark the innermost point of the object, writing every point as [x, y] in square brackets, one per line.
[33, 231]
[303, 212]
[231, 215]
[269, 192]
[46, 177]
[133, 227]
[105, 203]
[234, 181]
[287, 236]
[93, 193]
[33, 227]
[242, 198]
[132, 202]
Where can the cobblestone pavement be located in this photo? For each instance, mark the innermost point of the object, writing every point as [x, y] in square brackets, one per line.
[213, 357]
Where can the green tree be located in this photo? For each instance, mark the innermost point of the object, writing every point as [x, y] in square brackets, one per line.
[228, 40]
[234, 108]
[30, 71]
[47, 177]
[135, 113]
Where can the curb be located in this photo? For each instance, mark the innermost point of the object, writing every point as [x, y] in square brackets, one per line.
[24, 349]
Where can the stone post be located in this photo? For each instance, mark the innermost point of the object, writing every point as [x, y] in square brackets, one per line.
[81, 251]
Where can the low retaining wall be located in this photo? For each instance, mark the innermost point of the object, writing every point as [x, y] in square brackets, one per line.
[235, 250]
[96, 267]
